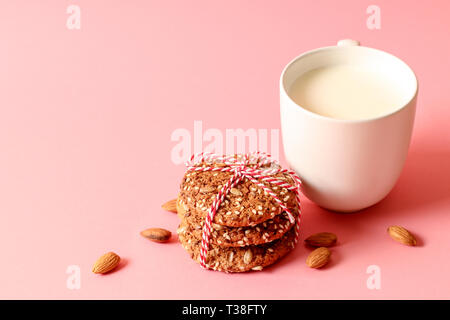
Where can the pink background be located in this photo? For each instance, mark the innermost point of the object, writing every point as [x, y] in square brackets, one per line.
[85, 123]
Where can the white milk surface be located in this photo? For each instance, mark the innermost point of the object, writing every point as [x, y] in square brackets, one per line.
[349, 92]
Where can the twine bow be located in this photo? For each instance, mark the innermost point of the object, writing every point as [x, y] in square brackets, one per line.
[257, 167]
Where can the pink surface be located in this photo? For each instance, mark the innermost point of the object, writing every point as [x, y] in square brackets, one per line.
[85, 123]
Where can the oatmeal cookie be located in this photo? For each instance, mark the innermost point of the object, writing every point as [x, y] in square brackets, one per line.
[245, 205]
[224, 236]
[239, 259]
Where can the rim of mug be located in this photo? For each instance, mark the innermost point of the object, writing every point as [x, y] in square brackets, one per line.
[302, 55]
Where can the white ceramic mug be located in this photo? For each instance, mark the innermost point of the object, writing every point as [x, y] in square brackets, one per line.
[347, 165]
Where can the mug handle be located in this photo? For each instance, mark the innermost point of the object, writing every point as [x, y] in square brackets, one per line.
[347, 43]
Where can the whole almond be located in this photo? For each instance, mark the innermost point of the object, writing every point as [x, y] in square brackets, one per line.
[402, 235]
[106, 263]
[318, 258]
[170, 206]
[321, 239]
[157, 234]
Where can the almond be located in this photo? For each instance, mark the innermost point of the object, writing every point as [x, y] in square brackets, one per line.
[170, 206]
[321, 239]
[157, 234]
[402, 235]
[106, 263]
[318, 258]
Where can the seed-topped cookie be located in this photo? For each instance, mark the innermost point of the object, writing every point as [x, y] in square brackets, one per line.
[246, 204]
[238, 212]
[240, 259]
[224, 236]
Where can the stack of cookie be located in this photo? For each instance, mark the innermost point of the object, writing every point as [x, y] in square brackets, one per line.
[249, 231]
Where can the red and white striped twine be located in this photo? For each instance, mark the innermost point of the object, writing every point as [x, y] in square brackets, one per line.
[258, 167]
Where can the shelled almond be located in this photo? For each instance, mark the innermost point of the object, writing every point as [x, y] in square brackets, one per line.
[402, 235]
[106, 263]
[156, 234]
[170, 205]
[318, 258]
[321, 239]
